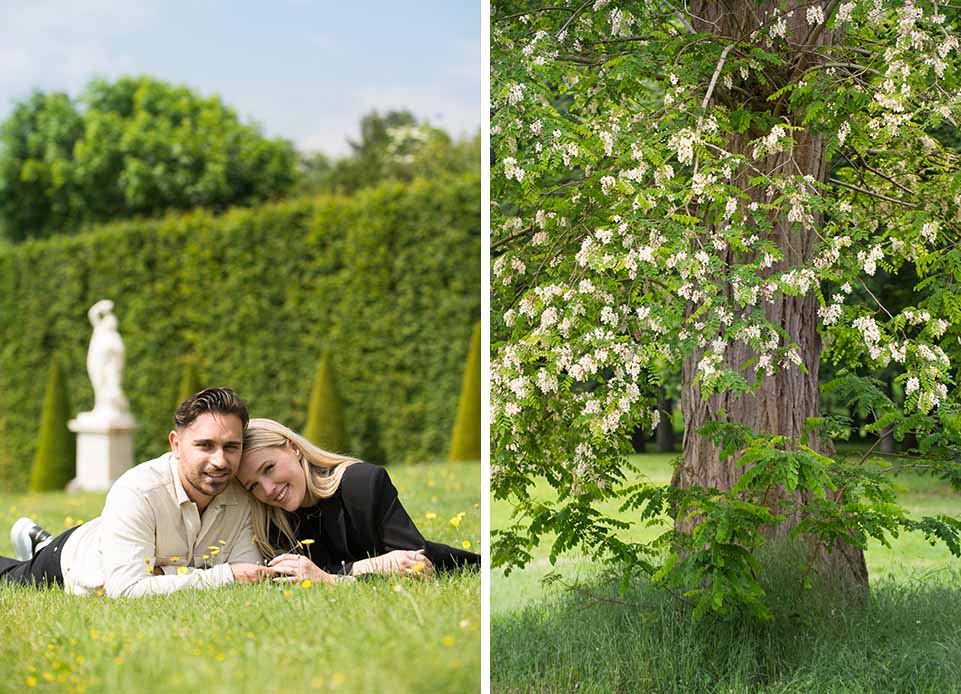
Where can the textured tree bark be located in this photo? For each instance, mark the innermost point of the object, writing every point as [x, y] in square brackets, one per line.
[788, 398]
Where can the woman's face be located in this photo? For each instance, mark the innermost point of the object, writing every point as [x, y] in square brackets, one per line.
[274, 476]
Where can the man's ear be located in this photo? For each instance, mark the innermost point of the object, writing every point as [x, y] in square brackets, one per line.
[174, 443]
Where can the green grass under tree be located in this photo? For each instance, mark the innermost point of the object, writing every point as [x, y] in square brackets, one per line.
[581, 631]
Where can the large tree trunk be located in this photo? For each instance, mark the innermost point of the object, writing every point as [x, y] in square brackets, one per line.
[788, 398]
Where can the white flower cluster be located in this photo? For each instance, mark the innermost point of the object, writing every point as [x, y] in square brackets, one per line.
[682, 142]
[815, 15]
[929, 231]
[515, 94]
[620, 22]
[869, 260]
[845, 11]
[512, 170]
[832, 252]
[771, 143]
[607, 184]
[843, 132]
[799, 280]
[869, 330]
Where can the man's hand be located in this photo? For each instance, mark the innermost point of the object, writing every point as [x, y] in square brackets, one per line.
[249, 573]
[291, 568]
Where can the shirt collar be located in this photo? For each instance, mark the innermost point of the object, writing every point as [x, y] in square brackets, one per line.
[180, 494]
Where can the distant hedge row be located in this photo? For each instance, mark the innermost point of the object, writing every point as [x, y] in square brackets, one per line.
[387, 282]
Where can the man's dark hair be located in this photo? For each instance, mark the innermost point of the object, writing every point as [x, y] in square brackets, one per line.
[211, 400]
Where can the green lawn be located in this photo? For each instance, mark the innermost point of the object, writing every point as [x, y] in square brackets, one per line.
[549, 638]
[384, 634]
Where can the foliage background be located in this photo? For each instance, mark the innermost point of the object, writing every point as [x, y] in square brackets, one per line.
[387, 281]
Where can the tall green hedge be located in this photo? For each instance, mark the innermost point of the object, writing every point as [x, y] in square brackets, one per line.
[386, 281]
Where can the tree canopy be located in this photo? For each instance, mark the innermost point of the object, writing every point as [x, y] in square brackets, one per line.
[393, 146]
[134, 147]
[707, 186]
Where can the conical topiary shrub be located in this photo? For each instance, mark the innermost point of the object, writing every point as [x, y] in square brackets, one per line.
[466, 440]
[325, 414]
[189, 383]
[56, 460]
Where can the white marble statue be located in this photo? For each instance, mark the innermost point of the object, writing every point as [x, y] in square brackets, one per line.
[105, 361]
[105, 434]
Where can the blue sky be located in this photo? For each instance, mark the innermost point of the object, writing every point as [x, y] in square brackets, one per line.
[306, 70]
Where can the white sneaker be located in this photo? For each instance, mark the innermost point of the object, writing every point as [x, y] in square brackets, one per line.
[28, 538]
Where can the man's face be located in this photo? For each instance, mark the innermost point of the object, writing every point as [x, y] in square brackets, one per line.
[208, 451]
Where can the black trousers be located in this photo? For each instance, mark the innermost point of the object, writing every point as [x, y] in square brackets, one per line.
[42, 571]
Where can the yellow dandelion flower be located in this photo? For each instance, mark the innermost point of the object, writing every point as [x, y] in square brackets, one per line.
[31, 681]
[213, 547]
[215, 551]
[100, 592]
[455, 521]
[94, 634]
[206, 557]
[146, 561]
[287, 593]
[307, 542]
[249, 634]
[48, 676]
[118, 660]
[430, 515]
[306, 583]
[220, 657]
[175, 559]
[466, 544]
[448, 640]
[68, 520]
[223, 542]
[418, 567]
[181, 569]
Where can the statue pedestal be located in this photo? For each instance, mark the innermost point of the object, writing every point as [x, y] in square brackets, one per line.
[104, 449]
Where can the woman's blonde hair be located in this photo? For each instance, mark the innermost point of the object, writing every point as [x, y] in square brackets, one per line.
[323, 471]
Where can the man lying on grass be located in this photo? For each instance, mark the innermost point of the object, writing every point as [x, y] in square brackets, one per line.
[179, 521]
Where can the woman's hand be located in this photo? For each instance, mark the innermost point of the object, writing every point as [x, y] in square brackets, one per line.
[293, 568]
[409, 561]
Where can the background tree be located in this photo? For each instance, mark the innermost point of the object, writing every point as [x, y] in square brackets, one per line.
[392, 147]
[663, 194]
[134, 147]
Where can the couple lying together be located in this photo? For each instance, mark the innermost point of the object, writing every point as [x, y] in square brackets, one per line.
[181, 521]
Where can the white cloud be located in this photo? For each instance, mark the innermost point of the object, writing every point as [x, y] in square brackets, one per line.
[55, 45]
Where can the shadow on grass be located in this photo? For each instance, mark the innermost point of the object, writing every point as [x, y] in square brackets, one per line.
[904, 637]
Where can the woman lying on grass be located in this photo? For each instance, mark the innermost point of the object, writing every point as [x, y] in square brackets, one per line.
[342, 513]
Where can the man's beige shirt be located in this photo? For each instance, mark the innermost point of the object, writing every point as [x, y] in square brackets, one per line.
[148, 520]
